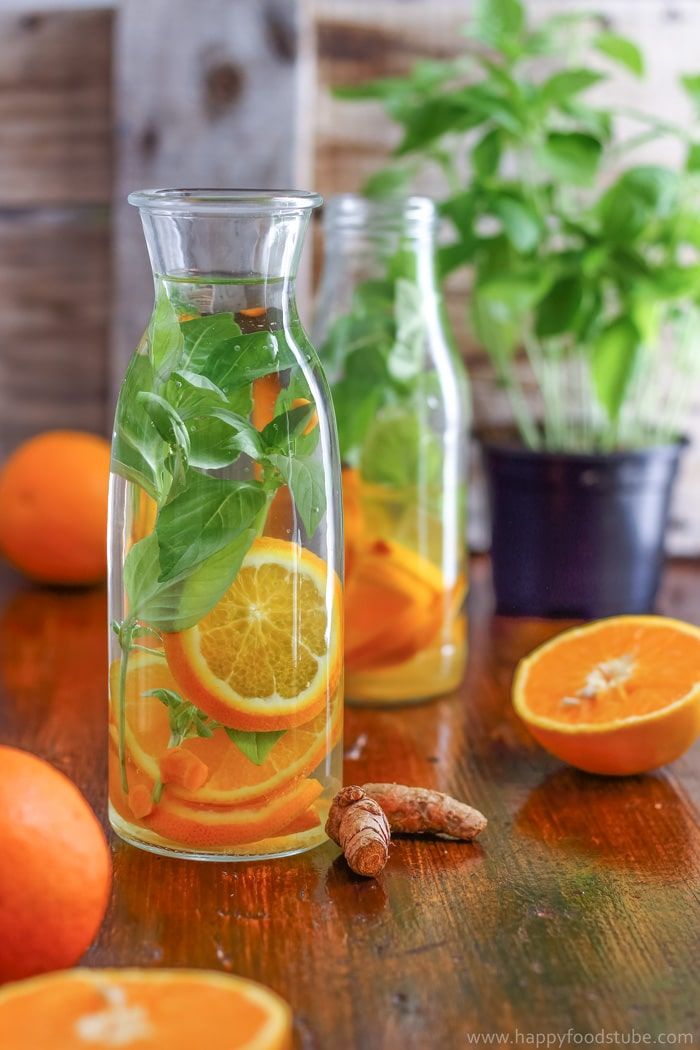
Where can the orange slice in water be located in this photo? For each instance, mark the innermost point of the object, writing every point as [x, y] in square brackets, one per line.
[232, 778]
[617, 696]
[394, 605]
[269, 655]
[73, 1009]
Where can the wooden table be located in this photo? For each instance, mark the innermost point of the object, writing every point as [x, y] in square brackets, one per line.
[578, 910]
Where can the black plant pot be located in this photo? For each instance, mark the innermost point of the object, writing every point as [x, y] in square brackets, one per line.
[578, 535]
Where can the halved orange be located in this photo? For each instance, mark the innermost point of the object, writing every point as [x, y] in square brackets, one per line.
[233, 779]
[269, 655]
[74, 1009]
[618, 696]
[394, 604]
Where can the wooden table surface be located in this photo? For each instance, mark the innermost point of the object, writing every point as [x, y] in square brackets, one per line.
[577, 910]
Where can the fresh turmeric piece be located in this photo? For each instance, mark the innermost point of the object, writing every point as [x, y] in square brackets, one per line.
[361, 820]
[421, 811]
[140, 801]
[179, 766]
[358, 825]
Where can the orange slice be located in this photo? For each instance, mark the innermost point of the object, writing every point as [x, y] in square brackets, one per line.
[269, 655]
[221, 827]
[394, 605]
[233, 779]
[617, 696]
[216, 827]
[73, 1009]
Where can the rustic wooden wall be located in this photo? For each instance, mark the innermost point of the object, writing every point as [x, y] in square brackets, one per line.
[205, 95]
[55, 188]
[346, 41]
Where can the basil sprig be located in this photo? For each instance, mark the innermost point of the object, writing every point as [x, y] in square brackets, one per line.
[185, 409]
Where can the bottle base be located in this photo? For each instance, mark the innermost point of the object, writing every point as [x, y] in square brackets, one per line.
[427, 676]
[266, 849]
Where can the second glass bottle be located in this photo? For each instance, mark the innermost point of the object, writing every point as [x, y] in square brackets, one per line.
[401, 401]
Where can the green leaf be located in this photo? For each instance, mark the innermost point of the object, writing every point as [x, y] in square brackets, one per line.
[486, 155]
[521, 224]
[401, 450]
[192, 394]
[165, 342]
[557, 311]
[620, 50]
[203, 519]
[202, 335]
[691, 85]
[180, 604]
[407, 355]
[571, 156]
[613, 364]
[166, 420]
[640, 196]
[692, 161]
[387, 182]
[218, 438]
[282, 431]
[255, 746]
[138, 450]
[236, 362]
[498, 21]
[568, 82]
[185, 720]
[433, 118]
[500, 307]
[306, 481]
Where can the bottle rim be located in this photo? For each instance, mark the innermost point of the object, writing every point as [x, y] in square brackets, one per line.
[353, 211]
[232, 202]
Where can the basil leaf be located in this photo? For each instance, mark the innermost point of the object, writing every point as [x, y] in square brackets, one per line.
[165, 419]
[407, 355]
[202, 335]
[180, 604]
[571, 155]
[306, 482]
[613, 364]
[192, 394]
[217, 439]
[165, 340]
[236, 362]
[203, 519]
[138, 450]
[285, 427]
[401, 450]
[621, 50]
[255, 746]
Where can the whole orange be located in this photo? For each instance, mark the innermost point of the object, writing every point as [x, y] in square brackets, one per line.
[53, 507]
[55, 868]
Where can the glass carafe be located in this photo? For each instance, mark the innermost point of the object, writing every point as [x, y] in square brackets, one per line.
[401, 401]
[226, 660]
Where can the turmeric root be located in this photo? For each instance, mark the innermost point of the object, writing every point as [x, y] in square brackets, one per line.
[420, 811]
[358, 825]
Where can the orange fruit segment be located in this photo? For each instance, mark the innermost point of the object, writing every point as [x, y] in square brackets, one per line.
[269, 655]
[618, 696]
[232, 778]
[143, 1008]
[394, 604]
[222, 827]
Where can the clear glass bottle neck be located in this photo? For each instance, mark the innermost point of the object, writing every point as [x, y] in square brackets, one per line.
[368, 239]
[263, 248]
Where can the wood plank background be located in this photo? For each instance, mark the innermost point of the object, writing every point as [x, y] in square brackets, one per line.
[55, 190]
[97, 102]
